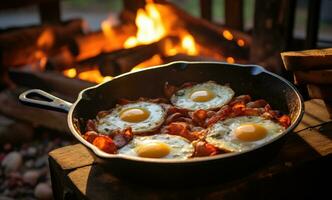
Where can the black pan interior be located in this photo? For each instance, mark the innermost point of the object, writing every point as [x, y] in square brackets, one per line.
[249, 79]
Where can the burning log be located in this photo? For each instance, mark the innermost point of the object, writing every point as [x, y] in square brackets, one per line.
[22, 46]
[123, 60]
[84, 47]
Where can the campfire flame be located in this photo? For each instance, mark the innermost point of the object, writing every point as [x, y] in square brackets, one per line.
[152, 27]
[44, 42]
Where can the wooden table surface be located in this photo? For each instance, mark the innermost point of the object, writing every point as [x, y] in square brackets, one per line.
[302, 169]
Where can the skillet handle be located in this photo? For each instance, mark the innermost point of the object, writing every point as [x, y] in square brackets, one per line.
[48, 101]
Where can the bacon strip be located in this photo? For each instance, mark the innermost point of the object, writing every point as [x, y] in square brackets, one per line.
[199, 117]
[121, 138]
[182, 129]
[91, 125]
[204, 149]
[169, 90]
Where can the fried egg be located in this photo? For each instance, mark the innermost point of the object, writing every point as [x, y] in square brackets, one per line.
[140, 116]
[159, 146]
[208, 95]
[242, 133]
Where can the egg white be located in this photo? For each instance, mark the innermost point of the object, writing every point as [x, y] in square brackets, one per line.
[222, 134]
[112, 122]
[223, 94]
[180, 148]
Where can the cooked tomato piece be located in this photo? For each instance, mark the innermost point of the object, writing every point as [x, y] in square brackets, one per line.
[90, 136]
[105, 144]
[285, 121]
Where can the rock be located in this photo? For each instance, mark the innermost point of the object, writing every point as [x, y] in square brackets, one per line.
[5, 198]
[29, 163]
[13, 180]
[31, 152]
[14, 132]
[12, 162]
[41, 161]
[43, 191]
[31, 177]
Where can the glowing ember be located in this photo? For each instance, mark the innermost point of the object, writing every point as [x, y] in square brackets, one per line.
[90, 75]
[227, 35]
[240, 42]
[150, 27]
[71, 73]
[154, 60]
[230, 60]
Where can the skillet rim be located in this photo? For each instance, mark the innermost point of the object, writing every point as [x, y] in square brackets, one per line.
[107, 156]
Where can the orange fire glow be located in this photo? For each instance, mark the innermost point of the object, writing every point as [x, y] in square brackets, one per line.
[154, 60]
[227, 35]
[230, 60]
[240, 42]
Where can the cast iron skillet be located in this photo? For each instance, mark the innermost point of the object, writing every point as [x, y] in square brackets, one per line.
[243, 79]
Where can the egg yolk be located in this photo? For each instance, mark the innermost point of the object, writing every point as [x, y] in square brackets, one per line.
[153, 150]
[134, 115]
[250, 132]
[202, 96]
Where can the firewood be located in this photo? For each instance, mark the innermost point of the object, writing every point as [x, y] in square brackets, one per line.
[49, 81]
[314, 59]
[316, 77]
[19, 46]
[14, 109]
